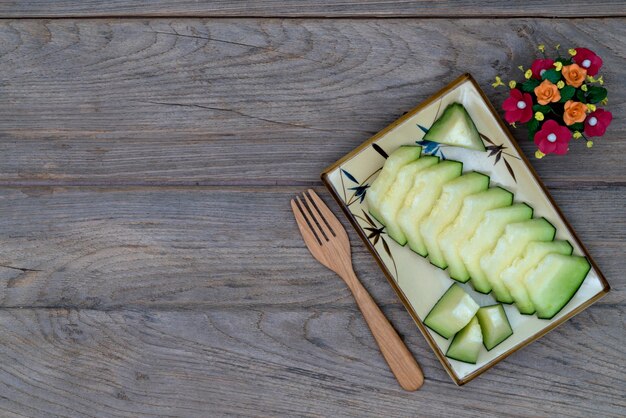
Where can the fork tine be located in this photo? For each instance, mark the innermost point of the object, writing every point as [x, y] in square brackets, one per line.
[305, 226]
[328, 216]
[319, 218]
[312, 220]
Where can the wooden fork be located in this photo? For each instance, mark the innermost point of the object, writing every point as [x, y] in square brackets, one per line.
[328, 242]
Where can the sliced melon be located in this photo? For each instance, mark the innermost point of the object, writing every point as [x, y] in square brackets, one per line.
[393, 164]
[466, 344]
[452, 312]
[421, 199]
[513, 276]
[455, 127]
[446, 210]
[485, 238]
[494, 325]
[463, 227]
[554, 282]
[394, 197]
[510, 246]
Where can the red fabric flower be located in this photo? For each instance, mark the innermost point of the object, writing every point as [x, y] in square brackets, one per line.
[539, 66]
[597, 122]
[588, 60]
[553, 138]
[518, 107]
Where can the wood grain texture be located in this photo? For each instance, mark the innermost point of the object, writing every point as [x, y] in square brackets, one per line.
[150, 265]
[293, 362]
[295, 8]
[257, 102]
[329, 244]
[205, 247]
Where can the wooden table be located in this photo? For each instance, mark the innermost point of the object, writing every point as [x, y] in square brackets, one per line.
[148, 152]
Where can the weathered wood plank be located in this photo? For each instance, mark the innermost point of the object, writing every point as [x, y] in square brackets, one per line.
[294, 8]
[292, 362]
[256, 101]
[197, 248]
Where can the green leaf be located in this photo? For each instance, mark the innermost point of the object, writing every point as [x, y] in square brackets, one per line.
[580, 95]
[564, 61]
[552, 75]
[532, 126]
[596, 94]
[529, 85]
[567, 93]
[542, 108]
[577, 127]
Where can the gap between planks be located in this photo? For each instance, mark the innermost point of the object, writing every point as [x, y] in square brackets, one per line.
[571, 183]
[372, 16]
[394, 307]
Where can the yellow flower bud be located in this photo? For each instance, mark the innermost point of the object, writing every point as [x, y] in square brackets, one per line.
[577, 135]
[600, 80]
[589, 144]
[584, 87]
[512, 84]
[513, 125]
[539, 155]
[591, 107]
[572, 51]
[590, 79]
[521, 68]
[560, 84]
[558, 65]
[541, 47]
[528, 74]
[557, 46]
[498, 82]
[605, 101]
[539, 116]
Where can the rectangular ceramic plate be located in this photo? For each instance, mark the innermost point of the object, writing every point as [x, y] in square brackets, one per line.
[418, 283]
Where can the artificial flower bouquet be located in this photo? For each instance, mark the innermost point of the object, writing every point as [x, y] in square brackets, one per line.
[559, 100]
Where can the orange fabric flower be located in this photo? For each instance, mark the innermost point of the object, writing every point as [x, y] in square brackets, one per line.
[574, 112]
[547, 92]
[574, 74]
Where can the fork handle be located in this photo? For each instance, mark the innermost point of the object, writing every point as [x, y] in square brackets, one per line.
[398, 357]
